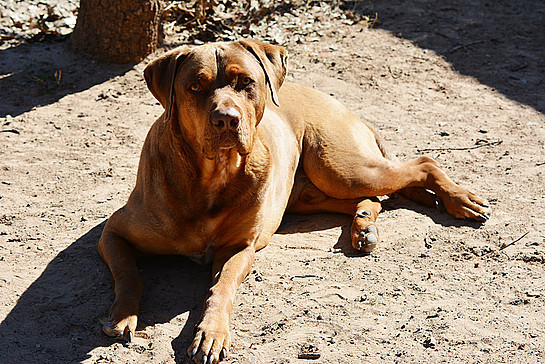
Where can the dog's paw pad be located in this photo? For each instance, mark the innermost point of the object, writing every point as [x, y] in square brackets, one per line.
[371, 229]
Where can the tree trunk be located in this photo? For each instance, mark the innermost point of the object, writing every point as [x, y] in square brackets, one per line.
[117, 31]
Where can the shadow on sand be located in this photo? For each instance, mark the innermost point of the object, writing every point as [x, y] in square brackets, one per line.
[500, 43]
[292, 224]
[57, 319]
[37, 74]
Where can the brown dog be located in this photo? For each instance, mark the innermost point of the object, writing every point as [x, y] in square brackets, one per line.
[235, 149]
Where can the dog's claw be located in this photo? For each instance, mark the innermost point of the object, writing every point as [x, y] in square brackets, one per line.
[484, 216]
[193, 353]
[127, 335]
[204, 359]
[223, 354]
[360, 244]
[364, 213]
[211, 359]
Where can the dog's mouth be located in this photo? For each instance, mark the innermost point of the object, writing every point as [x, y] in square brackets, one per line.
[218, 142]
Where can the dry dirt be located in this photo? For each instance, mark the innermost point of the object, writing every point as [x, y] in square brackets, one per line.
[451, 75]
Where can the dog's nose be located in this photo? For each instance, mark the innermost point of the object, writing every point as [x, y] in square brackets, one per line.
[226, 119]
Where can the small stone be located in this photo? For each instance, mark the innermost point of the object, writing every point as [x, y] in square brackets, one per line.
[429, 342]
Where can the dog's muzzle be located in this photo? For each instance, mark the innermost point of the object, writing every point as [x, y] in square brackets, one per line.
[227, 119]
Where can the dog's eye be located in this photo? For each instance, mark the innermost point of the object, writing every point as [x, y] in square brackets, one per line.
[195, 87]
[245, 81]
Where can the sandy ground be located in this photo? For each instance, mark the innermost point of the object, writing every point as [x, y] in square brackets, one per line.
[462, 78]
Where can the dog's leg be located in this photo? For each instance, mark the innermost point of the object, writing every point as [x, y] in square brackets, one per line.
[212, 339]
[420, 195]
[120, 258]
[363, 231]
[357, 175]
[424, 172]
[307, 198]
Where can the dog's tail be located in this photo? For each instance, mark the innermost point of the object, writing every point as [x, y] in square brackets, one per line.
[419, 195]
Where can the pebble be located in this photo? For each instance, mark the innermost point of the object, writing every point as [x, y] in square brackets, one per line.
[429, 342]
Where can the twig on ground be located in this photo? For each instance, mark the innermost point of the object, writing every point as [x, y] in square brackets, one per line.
[392, 73]
[514, 241]
[304, 276]
[454, 49]
[14, 131]
[487, 144]
[519, 67]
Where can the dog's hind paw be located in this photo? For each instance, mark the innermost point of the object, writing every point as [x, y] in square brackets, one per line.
[365, 234]
[367, 240]
[464, 204]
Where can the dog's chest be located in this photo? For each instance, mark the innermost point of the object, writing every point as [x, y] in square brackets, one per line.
[217, 175]
[201, 237]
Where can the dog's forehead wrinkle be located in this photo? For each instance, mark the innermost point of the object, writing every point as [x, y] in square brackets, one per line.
[202, 59]
[231, 61]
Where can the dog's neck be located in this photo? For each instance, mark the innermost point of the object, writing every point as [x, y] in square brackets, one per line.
[188, 175]
[218, 172]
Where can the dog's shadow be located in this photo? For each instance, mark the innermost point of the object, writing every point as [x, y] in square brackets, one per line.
[292, 224]
[57, 319]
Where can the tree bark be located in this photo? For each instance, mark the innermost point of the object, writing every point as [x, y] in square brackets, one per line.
[117, 31]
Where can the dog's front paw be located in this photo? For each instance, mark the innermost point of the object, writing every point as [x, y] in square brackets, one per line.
[364, 232]
[121, 323]
[211, 343]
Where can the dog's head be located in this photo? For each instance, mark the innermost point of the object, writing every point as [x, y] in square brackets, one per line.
[217, 92]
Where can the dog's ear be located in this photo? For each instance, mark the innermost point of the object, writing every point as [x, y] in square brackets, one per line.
[274, 61]
[160, 75]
